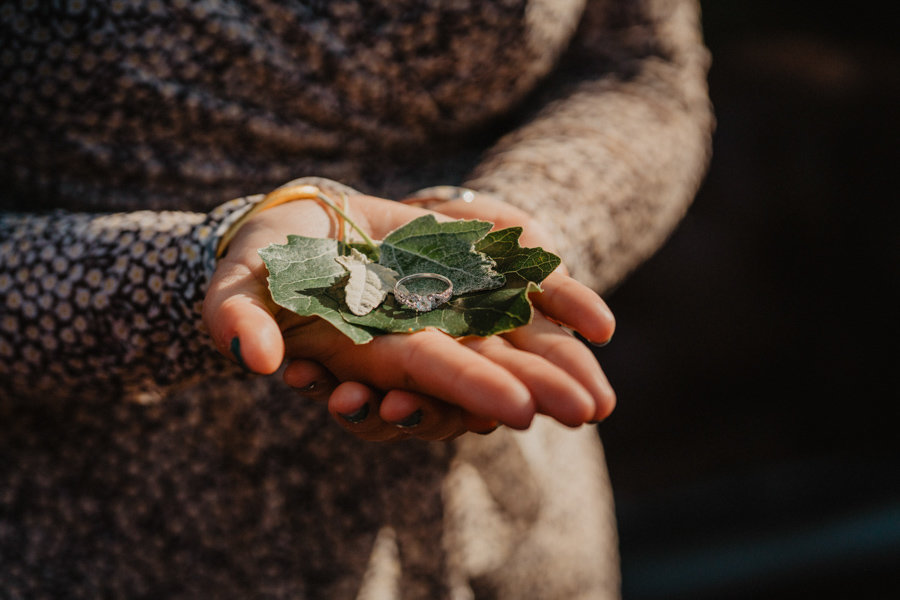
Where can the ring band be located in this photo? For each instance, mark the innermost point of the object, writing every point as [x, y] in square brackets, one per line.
[431, 196]
[422, 302]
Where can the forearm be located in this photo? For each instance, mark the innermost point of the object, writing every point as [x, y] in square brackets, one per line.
[106, 303]
[612, 161]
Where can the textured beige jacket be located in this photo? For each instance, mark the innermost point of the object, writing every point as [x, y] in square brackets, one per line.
[595, 119]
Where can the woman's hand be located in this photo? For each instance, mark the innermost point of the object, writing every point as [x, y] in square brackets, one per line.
[434, 386]
[564, 301]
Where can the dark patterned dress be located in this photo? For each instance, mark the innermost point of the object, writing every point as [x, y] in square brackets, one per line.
[137, 462]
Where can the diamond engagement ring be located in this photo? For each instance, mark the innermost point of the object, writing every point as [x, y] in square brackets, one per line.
[422, 302]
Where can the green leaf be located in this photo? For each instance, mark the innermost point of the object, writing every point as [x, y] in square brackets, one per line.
[514, 261]
[305, 277]
[426, 246]
[368, 284]
[482, 313]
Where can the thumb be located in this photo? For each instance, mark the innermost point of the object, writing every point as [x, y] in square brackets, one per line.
[240, 318]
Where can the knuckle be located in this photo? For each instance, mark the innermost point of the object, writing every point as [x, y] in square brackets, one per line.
[562, 349]
[606, 405]
[418, 347]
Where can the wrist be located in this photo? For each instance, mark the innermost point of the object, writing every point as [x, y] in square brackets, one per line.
[307, 188]
[301, 217]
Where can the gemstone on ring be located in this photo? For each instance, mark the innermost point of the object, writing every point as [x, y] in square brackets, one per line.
[422, 302]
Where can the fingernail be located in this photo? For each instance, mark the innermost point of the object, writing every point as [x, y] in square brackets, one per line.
[487, 431]
[411, 421]
[601, 344]
[358, 416]
[309, 388]
[236, 352]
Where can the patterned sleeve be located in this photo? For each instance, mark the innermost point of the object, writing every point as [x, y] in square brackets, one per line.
[107, 303]
[618, 145]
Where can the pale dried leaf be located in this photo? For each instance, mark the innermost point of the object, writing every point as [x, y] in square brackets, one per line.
[369, 282]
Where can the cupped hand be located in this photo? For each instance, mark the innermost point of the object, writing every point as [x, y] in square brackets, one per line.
[426, 384]
[564, 301]
[247, 326]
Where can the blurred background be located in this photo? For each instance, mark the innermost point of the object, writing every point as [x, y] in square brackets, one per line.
[754, 452]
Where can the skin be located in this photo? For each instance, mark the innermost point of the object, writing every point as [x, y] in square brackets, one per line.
[426, 384]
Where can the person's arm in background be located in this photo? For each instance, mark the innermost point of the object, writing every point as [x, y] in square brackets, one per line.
[613, 156]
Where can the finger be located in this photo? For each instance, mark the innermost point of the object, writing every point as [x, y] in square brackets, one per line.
[577, 306]
[310, 379]
[560, 348]
[355, 408]
[240, 320]
[555, 392]
[421, 416]
[428, 362]
[479, 425]
[435, 364]
[238, 309]
[380, 217]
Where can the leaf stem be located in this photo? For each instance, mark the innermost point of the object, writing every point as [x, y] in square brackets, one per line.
[327, 201]
[299, 192]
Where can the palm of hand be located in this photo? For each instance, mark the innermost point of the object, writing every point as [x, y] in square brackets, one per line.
[453, 385]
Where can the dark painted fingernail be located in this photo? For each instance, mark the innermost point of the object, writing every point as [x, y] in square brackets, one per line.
[236, 352]
[411, 421]
[487, 431]
[600, 344]
[358, 416]
[310, 387]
